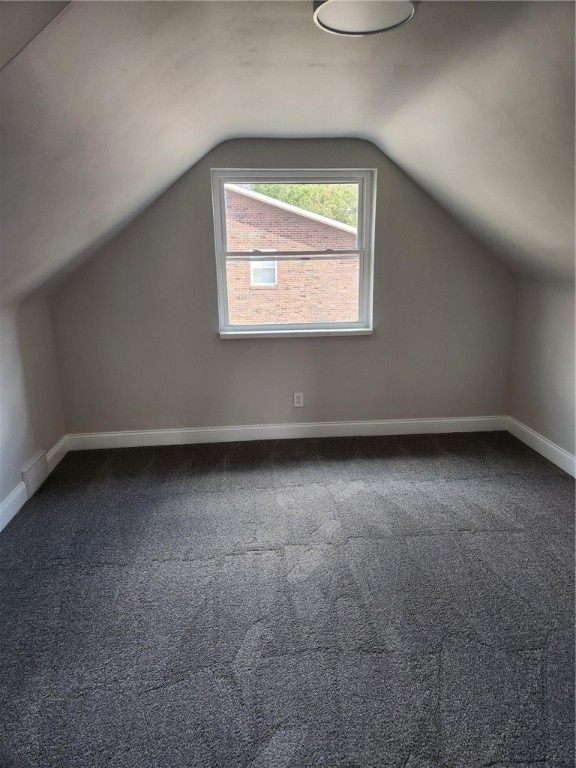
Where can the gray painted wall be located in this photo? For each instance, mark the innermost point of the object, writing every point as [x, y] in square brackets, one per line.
[136, 327]
[543, 362]
[31, 416]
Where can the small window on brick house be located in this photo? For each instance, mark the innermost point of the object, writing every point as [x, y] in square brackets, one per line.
[263, 273]
[306, 233]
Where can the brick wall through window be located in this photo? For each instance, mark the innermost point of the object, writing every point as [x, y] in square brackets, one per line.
[307, 291]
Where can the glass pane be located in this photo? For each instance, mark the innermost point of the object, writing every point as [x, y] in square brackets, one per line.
[309, 291]
[291, 217]
[263, 275]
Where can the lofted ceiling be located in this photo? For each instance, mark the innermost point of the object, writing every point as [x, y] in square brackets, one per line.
[110, 102]
[21, 22]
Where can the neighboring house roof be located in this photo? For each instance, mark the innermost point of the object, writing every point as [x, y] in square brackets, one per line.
[291, 208]
[110, 103]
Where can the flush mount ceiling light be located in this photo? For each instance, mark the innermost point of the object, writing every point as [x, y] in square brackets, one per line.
[356, 18]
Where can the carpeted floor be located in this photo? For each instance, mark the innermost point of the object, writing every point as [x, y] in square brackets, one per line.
[346, 603]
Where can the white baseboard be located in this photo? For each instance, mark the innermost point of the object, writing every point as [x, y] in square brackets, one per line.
[12, 504]
[136, 438]
[543, 446]
[19, 496]
[55, 455]
[130, 439]
[150, 437]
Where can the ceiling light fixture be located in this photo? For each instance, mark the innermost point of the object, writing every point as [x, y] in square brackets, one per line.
[356, 18]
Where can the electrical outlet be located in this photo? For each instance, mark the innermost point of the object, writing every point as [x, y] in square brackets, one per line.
[298, 399]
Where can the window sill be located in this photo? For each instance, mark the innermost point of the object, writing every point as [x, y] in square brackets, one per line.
[296, 333]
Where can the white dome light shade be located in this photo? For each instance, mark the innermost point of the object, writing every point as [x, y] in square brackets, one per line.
[362, 17]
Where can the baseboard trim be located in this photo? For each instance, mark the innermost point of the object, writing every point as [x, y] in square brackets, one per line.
[543, 446]
[16, 499]
[141, 438]
[144, 437]
[12, 504]
[55, 455]
[134, 438]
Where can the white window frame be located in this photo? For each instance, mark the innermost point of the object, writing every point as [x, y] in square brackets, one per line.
[263, 265]
[366, 180]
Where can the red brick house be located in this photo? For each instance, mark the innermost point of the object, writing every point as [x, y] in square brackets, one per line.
[301, 291]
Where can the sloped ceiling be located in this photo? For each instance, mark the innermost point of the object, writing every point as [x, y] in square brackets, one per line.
[112, 101]
[21, 22]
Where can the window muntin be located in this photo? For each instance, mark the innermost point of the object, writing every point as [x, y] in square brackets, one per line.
[323, 266]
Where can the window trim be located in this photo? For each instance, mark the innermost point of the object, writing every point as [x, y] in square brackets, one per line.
[366, 180]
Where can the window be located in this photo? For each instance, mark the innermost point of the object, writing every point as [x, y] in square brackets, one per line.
[263, 273]
[308, 234]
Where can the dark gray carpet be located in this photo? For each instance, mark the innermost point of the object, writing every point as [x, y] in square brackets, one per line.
[349, 603]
